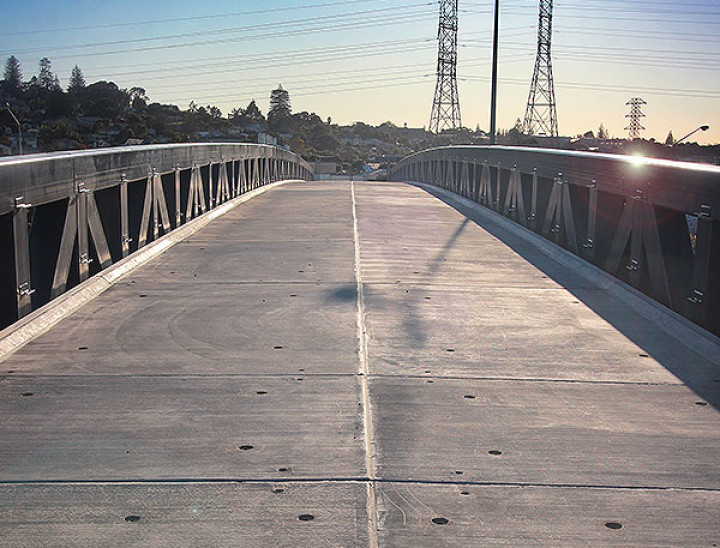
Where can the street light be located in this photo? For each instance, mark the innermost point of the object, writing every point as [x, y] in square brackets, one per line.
[493, 85]
[19, 125]
[693, 132]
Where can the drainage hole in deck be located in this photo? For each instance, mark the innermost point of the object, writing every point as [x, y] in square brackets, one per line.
[306, 517]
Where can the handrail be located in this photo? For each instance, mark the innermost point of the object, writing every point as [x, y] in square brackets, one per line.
[66, 216]
[43, 178]
[653, 223]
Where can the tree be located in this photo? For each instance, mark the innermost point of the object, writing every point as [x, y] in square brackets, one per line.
[514, 136]
[279, 115]
[518, 125]
[138, 98]
[253, 113]
[670, 140]
[77, 80]
[13, 73]
[46, 78]
[104, 100]
[602, 132]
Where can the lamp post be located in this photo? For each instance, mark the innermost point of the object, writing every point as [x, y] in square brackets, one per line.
[693, 132]
[19, 125]
[493, 91]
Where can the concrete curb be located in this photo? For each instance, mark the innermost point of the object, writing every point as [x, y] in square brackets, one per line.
[14, 337]
[693, 336]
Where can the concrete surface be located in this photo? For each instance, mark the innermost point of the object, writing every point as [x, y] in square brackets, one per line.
[220, 393]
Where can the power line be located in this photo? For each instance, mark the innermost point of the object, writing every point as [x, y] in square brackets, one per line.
[361, 16]
[673, 92]
[193, 18]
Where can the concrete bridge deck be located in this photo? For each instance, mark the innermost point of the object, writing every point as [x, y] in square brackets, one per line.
[347, 365]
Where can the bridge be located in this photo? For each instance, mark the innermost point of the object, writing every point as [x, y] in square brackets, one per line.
[500, 346]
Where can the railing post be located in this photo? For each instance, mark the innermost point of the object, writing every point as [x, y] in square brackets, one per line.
[21, 240]
[178, 214]
[532, 218]
[514, 203]
[486, 195]
[211, 196]
[124, 217]
[155, 216]
[559, 217]
[704, 299]
[84, 259]
[589, 245]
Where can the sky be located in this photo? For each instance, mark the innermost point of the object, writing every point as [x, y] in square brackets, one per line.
[375, 60]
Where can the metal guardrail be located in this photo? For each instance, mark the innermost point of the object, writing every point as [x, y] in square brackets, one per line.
[653, 223]
[66, 216]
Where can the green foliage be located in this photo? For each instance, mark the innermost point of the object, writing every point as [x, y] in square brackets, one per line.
[56, 131]
[77, 80]
[138, 98]
[13, 74]
[101, 113]
[246, 116]
[253, 113]
[104, 100]
[279, 115]
[46, 79]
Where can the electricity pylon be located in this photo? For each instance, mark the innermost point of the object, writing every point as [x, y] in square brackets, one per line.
[635, 126]
[541, 111]
[446, 105]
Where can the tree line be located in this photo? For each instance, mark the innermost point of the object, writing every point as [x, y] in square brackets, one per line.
[77, 116]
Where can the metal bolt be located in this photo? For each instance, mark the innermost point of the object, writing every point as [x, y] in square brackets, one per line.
[20, 205]
[24, 290]
[704, 210]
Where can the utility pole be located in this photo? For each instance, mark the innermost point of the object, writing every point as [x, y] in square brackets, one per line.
[493, 91]
[446, 105]
[635, 127]
[541, 111]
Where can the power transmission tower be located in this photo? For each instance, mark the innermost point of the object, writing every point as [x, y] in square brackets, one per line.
[446, 105]
[635, 126]
[541, 113]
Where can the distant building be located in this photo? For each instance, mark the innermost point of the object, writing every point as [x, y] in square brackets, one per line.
[266, 139]
[324, 169]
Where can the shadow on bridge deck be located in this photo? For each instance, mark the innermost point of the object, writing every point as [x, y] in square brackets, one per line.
[240, 390]
[691, 366]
